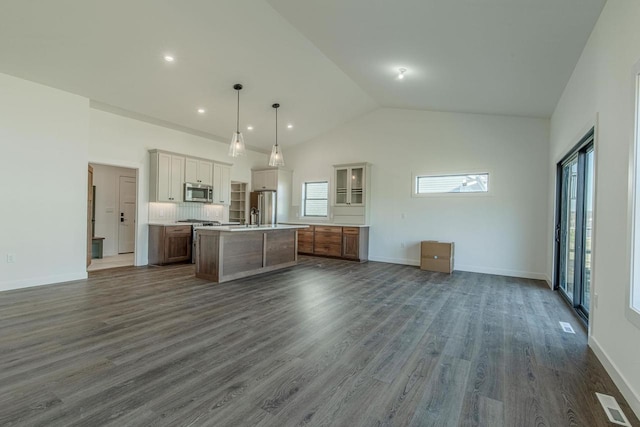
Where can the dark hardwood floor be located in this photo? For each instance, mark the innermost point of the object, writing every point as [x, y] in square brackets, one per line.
[326, 343]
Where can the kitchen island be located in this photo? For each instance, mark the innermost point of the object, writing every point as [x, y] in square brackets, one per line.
[229, 253]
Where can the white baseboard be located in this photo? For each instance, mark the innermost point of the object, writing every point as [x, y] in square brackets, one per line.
[41, 281]
[548, 280]
[402, 261]
[632, 397]
[471, 269]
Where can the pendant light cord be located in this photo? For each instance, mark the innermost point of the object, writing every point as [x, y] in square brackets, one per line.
[276, 127]
[238, 113]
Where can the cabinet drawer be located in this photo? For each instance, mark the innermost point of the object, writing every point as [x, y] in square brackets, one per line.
[330, 249]
[328, 229]
[322, 238]
[305, 232]
[178, 229]
[350, 230]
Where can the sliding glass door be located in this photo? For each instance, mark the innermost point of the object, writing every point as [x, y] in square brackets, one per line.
[574, 226]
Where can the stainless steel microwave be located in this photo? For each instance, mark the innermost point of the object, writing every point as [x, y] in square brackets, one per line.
[194, 192]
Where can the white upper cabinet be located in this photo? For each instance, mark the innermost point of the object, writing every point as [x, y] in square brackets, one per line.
[350, 185]
[198, 171]
[166, 177]
[221, 184]
[264, 180]
[351, 193]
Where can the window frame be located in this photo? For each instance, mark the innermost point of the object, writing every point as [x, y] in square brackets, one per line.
[304, 198]
[631, 310]
[488, 172]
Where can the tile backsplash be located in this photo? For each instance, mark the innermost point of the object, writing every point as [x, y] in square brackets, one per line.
[176, 211]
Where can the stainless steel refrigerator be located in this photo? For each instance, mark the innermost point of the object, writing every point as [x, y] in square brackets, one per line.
[263, 207]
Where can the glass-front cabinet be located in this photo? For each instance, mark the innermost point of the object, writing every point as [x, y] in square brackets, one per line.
[350, 185]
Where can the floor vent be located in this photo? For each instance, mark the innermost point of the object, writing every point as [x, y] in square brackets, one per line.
[612, 409]
[567, 328]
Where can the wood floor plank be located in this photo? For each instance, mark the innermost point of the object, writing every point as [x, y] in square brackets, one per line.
[328, 342]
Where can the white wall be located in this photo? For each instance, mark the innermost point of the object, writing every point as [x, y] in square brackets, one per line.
[501, 233]
[47, 139]
[107, 182]
[601, 86]
[43, 183]
[122, 141]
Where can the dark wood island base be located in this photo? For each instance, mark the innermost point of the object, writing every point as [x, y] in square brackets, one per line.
[229, 253]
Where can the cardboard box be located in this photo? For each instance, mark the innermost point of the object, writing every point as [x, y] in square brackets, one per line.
[436, 256]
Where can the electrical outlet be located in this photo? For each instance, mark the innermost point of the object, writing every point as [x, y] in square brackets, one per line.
[11, 258]
[161, 213]
[595, 300]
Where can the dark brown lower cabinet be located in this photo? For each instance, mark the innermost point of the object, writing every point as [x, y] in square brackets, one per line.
[350, 242]
[335, 241]
[305, 240]
[169, 244]
[327, 241]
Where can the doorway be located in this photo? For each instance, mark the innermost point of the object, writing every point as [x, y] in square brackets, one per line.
[574, 225]
[115, 211]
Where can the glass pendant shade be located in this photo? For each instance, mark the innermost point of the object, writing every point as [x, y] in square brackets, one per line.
[236, 147]
[276, 158]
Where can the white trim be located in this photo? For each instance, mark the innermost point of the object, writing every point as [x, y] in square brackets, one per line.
[631, 313]
[142, 215]
[632, 397]
[501, 272]
[402, 261]
[42, 281]
[468, 268]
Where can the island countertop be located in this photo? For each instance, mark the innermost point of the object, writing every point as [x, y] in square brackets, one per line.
[245, 228]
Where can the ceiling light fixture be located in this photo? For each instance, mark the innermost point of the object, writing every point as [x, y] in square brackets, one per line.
[401, 72]
[249, 127]
[236, 148]
[289, 126]
[169, 58]
[276, 158]
[201, 110]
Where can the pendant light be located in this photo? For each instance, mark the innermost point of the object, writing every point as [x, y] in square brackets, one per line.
[276, 158]
[236, 148]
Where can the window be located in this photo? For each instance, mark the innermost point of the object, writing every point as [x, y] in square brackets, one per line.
[633, 306]
[462, 183]
[574, 225]
[315, 198]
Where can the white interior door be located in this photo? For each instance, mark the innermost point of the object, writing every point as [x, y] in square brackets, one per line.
[127, 217]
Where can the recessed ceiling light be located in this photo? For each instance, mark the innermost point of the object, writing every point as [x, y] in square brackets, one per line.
[401, 72]
[289, 126]
[249, 127]
[201, 110]
[169, 58]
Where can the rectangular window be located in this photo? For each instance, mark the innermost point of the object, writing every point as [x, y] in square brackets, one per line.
[634, 293]
[461, 183]
[315, 198]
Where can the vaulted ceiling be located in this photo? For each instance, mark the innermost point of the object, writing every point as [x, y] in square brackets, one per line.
[325, 61]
